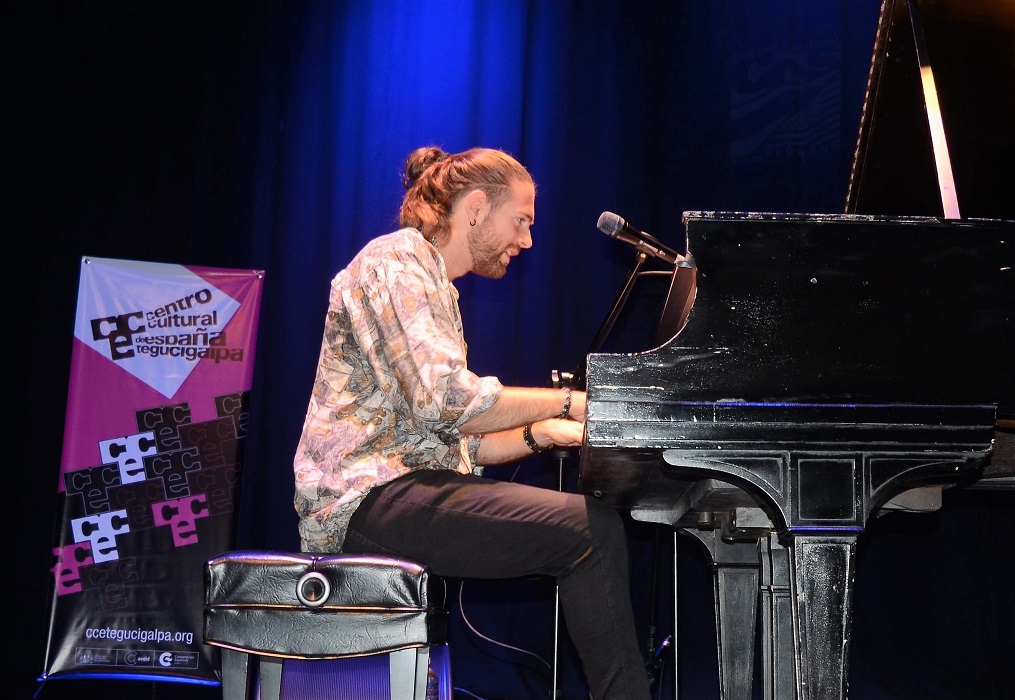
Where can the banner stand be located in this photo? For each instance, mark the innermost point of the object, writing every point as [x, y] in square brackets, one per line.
[152, 461]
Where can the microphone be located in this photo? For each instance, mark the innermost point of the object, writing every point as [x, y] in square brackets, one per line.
[615, 227]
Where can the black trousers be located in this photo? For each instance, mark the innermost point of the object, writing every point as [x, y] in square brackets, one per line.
[465, 526]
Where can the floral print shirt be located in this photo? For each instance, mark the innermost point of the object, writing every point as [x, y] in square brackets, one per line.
[392, 385]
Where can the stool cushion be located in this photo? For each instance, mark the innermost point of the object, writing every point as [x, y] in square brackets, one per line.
[305, 606]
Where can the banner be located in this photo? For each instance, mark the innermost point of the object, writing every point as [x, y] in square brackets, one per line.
[157, 414]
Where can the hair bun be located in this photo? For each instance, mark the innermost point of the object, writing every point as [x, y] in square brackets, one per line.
[419, 161]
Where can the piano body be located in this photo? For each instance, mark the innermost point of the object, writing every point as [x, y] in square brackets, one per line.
[812, 371]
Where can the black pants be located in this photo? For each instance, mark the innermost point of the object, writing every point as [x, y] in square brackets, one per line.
[465, 526]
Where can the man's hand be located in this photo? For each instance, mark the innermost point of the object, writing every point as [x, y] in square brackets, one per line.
[556, 431]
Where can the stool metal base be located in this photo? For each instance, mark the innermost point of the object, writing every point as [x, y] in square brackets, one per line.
[251, 677]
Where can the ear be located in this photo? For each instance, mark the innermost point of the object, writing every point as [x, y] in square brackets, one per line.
[474, 203]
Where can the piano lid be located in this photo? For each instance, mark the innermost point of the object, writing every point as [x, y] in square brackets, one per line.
[936, 132]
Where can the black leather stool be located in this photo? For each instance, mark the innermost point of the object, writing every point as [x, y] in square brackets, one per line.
[262, 608]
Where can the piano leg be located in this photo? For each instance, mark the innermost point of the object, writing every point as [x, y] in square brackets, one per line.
[735, 587]
[806, 593]
[777, 650]
[821, 578]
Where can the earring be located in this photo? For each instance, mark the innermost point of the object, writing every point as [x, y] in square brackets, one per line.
[472, 223]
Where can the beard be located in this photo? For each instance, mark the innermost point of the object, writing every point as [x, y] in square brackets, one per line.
[485, 253]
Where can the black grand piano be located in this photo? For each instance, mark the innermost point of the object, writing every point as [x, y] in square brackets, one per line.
[813, 371]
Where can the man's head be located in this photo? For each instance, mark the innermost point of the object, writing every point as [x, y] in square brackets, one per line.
[478, 205]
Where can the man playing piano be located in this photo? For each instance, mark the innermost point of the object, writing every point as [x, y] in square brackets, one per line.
[398, 429]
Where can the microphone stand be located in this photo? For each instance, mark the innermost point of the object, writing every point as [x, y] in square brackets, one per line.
[577, 380]
[559, 380]
[611, 318]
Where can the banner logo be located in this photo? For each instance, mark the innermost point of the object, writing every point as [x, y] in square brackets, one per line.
[157, 332]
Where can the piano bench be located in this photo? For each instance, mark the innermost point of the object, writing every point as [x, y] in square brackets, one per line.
[326, 626]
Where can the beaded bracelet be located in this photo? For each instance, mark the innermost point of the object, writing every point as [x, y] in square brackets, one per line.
[567, 403]
[531, 441]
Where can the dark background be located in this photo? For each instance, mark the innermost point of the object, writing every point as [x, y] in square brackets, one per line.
[271, 134]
